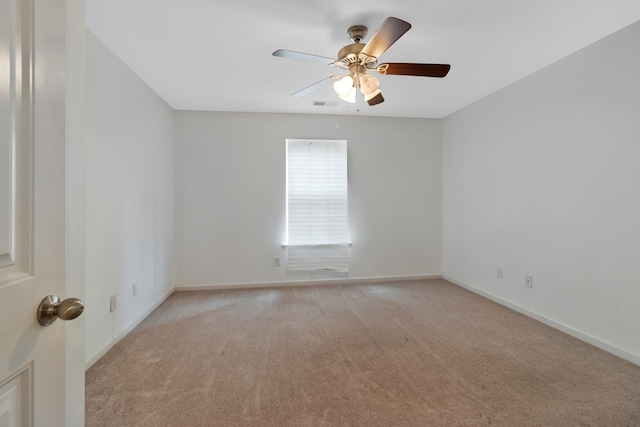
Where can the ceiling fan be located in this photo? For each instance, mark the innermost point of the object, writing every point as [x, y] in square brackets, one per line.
[358, 58]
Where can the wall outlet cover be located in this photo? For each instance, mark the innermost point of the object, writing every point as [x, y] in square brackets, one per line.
[528, 281]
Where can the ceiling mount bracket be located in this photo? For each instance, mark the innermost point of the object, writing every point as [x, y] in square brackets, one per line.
[357, 33]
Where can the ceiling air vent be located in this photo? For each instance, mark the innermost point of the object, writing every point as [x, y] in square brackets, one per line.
[325, 103]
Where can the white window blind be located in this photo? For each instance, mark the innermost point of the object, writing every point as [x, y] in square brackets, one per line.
[317, 205]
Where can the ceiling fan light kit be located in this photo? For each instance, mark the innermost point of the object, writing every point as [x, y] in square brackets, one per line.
[345, 88]
[370, 88]
[358, 57]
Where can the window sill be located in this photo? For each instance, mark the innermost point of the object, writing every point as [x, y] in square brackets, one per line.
[285, 247]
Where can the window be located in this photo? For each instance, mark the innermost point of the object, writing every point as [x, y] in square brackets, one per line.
[317, 205]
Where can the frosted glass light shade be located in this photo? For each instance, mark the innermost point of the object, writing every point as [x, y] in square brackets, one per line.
[369, 85]
[345, 89]
[350, 97]
[370, 88]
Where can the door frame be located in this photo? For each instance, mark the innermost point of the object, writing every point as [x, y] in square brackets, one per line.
[75, 233]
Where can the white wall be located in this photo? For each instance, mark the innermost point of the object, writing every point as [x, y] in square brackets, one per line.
[542, 178]
[130, 198]
[230, 195]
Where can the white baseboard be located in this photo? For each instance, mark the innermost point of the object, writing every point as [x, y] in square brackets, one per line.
[141, 317]
[312, 282]
[89, 363]
[93, 359]
[550, 322]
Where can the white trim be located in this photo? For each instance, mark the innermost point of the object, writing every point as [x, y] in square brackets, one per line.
[93, 359]
[290, 283]
[135, 322]
[130, 327]
[14, 279]
[6, 260]
[550, 322]
[285, 246]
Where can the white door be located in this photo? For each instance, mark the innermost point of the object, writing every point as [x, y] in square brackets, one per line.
[34, 366]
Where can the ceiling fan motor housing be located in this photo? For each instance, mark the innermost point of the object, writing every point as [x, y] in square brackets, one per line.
[350, 54]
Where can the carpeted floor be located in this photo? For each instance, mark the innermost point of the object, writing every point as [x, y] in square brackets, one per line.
[423, 353]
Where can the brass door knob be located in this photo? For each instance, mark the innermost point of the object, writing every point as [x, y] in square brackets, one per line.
[51, 308]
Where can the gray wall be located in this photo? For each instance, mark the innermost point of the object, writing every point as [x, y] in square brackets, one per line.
[541, 178]
[129, 203]
[230, 195]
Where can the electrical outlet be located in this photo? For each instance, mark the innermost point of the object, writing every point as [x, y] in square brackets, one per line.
[499, 272]
[134, 290]
[528, 281]
[276, 261]
[112, 304]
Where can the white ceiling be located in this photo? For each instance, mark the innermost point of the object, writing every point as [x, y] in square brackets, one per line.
[216, 54]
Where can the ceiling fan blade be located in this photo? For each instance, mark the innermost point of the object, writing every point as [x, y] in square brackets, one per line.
[282, 53]
[307, 90]
[378, 99]
[408, 69]
[388, 33]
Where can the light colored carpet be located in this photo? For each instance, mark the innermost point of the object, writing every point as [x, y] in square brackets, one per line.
[423, 353]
